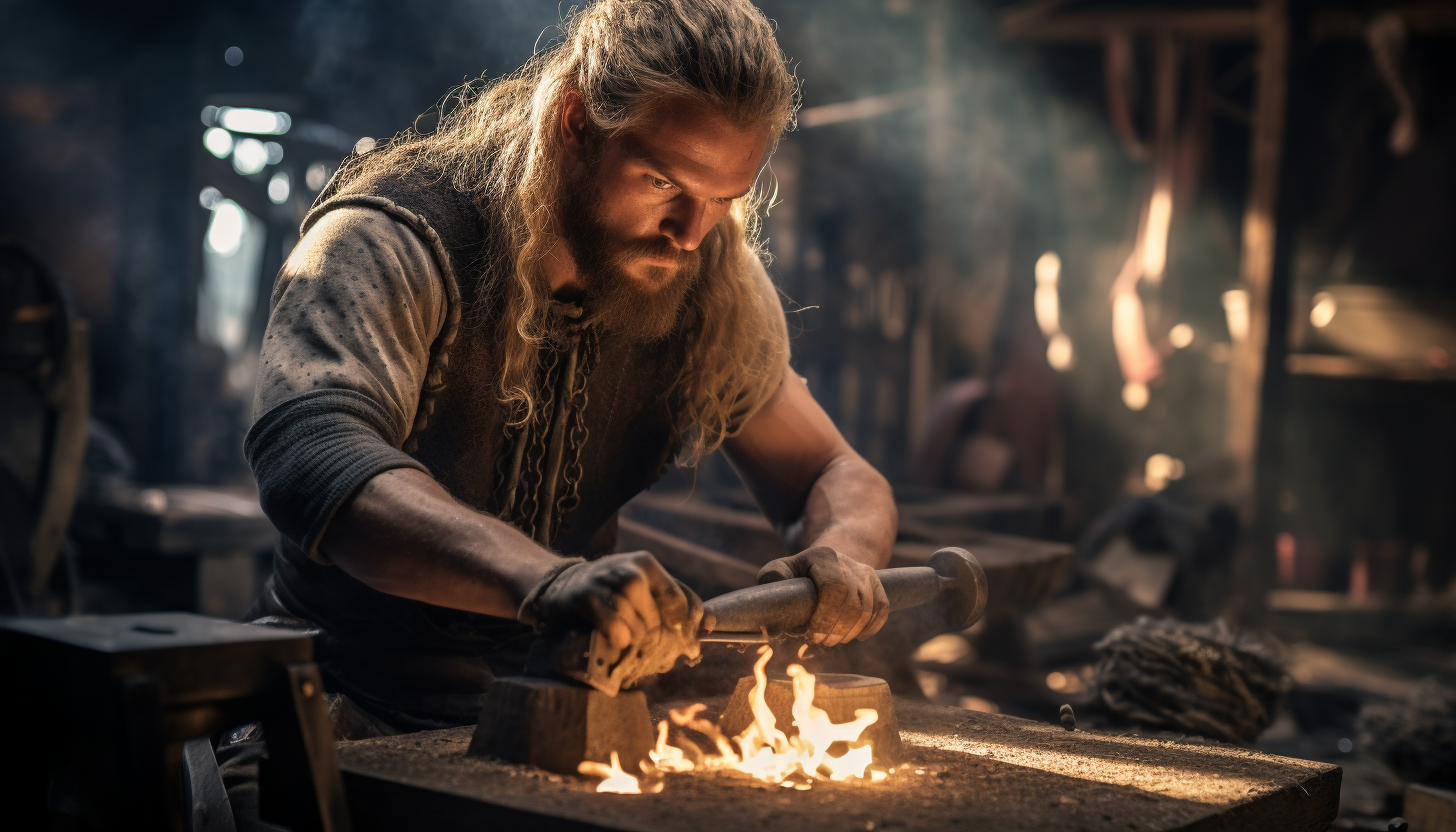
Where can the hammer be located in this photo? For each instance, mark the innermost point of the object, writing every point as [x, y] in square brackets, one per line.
[952, 588]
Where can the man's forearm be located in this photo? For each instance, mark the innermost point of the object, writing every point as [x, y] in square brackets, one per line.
[851, 508]
[401, 533]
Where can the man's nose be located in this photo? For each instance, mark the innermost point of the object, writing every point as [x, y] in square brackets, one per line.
[687, 224]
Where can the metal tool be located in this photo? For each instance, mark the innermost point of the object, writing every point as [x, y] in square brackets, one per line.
[951, 590]
[954, 582]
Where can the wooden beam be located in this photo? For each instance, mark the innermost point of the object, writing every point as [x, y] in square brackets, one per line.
[65, 469]
[860, 108]
[936, 266]
[709, 573]
[1256, 266]
[1024, 16]
[1349, 366]
[1430, 19]
[1213, 24]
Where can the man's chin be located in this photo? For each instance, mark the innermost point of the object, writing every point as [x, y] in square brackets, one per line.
[650, 277]
[643, 303]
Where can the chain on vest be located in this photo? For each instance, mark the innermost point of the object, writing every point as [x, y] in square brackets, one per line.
[540, 485]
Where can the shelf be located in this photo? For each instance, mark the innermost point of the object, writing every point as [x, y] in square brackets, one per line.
[1346, 366]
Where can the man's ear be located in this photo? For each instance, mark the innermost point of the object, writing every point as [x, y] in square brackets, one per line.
[575, 123]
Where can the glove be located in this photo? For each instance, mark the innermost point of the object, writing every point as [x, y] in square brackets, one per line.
[852, 603]
[649, 619]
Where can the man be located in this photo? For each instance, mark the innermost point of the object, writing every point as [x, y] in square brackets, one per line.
[492, 336]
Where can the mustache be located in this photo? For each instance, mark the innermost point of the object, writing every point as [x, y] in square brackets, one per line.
[654, 247]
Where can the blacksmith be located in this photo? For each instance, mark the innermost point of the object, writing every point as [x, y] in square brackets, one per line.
[495, 332]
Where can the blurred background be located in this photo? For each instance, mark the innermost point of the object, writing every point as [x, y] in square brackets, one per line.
[1152, 303]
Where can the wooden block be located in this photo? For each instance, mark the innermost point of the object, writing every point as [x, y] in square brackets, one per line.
[1430, 809]
[557, 725]
[838, 694]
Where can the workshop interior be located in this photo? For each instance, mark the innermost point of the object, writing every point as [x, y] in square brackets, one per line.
[1144, 311]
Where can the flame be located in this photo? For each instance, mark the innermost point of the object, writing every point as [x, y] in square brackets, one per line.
[688, 718]
[668, 757]
[617, 781]
[763, 749]
[770, 754]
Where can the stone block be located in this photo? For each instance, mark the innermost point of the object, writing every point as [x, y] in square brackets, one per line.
[556, 725]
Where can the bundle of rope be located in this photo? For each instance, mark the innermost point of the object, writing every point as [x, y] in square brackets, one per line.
[1415, 737]
[1202, 679]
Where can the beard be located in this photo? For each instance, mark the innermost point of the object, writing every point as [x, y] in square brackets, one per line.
[633, 308]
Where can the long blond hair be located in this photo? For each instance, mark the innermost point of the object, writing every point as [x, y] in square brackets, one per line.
[500, 143]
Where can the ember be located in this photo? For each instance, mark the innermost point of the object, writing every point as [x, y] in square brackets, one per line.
[763, 749]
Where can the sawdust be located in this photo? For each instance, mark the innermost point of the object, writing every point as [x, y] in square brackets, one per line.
[980, 771]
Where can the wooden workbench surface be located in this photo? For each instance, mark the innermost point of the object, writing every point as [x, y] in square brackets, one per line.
[968, 771]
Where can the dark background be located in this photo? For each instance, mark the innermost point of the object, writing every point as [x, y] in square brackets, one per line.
[101, 164]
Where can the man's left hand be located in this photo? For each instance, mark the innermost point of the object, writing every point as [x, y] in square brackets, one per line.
[852, 603]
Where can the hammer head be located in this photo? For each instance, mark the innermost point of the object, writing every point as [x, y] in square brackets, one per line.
[963, 601]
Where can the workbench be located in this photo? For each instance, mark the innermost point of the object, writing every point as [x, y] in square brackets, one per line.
[967, 770]
[220, 531]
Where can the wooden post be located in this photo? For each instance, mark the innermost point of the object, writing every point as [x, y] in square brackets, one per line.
[1256, 267]
[71, 398]
[935, 271]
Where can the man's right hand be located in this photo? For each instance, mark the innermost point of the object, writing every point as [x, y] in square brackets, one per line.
[629, 597]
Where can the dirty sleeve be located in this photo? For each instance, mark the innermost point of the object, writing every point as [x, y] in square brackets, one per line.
[353, 314]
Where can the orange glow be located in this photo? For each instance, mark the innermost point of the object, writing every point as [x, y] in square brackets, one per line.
[668, 757]
[1059, 352]
[769, 754]
[763, 749]
[617, 781]
[1155, 245]
[1324, 309]
[1161, 469]
[1236, 312]
[1180, 336]
[1135, 395]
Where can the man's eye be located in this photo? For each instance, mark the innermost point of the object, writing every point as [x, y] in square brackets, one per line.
[661, 184]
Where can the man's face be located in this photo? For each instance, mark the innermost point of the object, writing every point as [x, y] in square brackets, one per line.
[638, 206]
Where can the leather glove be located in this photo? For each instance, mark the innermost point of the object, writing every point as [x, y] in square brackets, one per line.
[649, 618]
[852, 603]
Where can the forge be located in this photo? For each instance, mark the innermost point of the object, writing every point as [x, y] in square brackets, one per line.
[960, 770]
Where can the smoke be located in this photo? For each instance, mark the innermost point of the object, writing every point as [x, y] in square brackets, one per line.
[374, 65]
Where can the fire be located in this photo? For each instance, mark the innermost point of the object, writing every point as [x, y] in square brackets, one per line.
[668, 757]
[769, 754]
[763, 750]
[617, 781]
